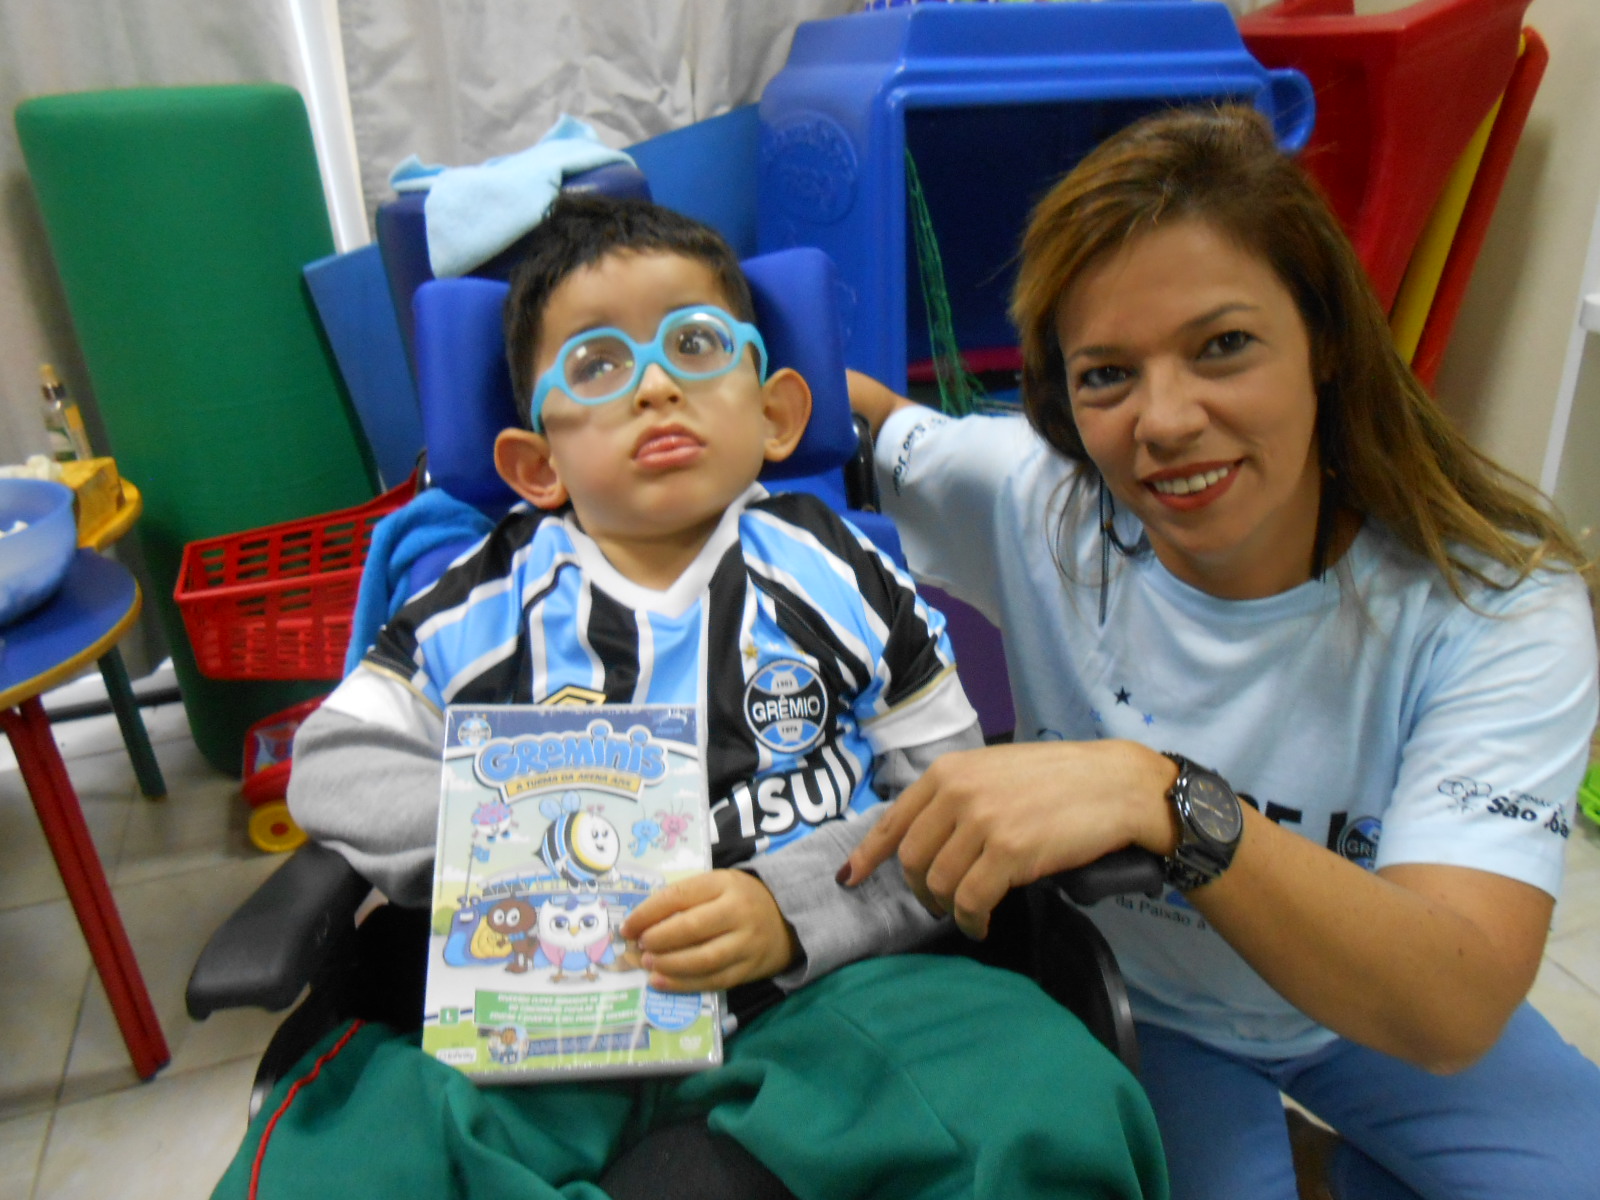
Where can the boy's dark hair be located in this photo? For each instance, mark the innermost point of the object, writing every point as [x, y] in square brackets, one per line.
[578, 231]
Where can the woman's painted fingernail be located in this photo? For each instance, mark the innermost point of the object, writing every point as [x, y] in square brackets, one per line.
[843, 877]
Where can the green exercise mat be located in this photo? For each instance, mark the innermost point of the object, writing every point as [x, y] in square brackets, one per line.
[180, 219]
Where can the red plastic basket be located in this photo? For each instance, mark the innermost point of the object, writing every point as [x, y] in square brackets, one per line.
[275, 602]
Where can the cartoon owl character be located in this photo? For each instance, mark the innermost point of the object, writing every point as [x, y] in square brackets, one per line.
[574, 935]
[516, 921]
[580, 845]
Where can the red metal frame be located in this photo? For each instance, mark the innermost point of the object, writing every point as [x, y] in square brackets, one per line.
[61, 818]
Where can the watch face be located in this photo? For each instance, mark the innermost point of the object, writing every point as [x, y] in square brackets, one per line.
[1213, 808]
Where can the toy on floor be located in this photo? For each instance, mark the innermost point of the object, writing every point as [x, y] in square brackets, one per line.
[267, 747]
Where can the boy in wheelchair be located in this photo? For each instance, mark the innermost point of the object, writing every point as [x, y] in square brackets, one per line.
[647, 565]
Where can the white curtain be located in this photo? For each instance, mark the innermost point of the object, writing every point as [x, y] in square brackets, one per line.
[459, 81]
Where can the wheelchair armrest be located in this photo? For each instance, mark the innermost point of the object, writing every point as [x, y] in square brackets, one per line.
[294, 926]
[860, 473]
[1074, 963]
[1121, 872]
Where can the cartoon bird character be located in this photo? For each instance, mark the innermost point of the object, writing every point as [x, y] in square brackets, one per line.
[517, 921]
[646, 833]
[580, 845]
[492, 819]
[574, 935]
[673, 826]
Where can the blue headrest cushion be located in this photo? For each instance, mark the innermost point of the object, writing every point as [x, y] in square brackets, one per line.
[464, 385]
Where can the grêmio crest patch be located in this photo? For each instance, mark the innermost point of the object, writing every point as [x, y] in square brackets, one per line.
[786, 706]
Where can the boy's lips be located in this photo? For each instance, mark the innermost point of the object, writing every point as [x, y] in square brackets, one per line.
[667, 446]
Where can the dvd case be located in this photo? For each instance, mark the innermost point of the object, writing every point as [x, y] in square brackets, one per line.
[554, 824]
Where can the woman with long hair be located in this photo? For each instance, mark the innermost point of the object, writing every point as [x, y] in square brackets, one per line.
[1269, 617]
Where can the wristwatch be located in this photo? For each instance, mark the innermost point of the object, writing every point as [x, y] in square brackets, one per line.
[1210, 822]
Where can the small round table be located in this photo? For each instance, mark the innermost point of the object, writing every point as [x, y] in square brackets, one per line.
[96, 605]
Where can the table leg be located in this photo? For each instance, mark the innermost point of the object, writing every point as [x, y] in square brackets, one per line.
[68, 836]
[120, 692]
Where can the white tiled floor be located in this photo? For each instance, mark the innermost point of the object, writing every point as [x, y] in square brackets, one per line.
[75, 1124]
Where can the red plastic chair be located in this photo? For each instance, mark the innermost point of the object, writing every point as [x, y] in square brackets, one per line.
[1481, 201]
[1399, 96]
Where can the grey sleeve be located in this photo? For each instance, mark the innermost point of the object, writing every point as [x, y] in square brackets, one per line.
[836, 925]
[371, 792]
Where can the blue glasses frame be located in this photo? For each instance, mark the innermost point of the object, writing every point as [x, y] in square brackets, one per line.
[743, 333]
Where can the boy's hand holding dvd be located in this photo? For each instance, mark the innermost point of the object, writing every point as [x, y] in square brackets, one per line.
[711, 932]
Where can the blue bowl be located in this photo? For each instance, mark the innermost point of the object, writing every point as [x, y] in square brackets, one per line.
[34, 561]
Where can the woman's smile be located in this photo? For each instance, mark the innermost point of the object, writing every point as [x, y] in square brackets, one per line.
[1191, 488]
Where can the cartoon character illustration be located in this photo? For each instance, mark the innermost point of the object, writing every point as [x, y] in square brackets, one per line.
[492, 819]
[673, 827]
[505, 1045]
[580, 845]
[489, 939]
[646, 833]
[574, 935]
[516, 922]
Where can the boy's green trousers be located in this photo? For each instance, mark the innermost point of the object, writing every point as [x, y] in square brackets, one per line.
[907, 1076]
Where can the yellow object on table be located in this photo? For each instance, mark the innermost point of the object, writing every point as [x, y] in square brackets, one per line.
[107, 504]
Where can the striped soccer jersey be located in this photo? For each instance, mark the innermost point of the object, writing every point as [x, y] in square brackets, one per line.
[810, 650]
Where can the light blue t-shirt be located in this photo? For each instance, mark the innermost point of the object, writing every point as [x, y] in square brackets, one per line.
[1370, 711]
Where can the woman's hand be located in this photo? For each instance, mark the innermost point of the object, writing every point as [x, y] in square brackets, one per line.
[982, 822]
[712, 931]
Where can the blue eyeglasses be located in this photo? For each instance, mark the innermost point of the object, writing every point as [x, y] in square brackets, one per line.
[601, 365]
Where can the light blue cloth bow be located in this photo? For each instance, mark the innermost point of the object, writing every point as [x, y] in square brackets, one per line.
[473, 213]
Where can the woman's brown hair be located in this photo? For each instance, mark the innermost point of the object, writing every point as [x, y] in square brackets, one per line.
[1387, 448]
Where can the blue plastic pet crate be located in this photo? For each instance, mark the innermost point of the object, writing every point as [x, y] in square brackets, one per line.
[994, 102]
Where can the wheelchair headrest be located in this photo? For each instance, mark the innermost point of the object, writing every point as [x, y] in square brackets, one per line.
[464, 384]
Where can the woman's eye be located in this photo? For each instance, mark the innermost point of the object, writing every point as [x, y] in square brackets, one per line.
[1099, 378]
[1225, 344]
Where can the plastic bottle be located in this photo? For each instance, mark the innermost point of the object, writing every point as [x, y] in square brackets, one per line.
[69, 439]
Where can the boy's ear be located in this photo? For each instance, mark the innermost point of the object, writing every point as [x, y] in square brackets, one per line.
[786, 402]
[523, 460]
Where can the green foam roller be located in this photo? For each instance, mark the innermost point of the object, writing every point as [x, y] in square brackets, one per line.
[180, 219]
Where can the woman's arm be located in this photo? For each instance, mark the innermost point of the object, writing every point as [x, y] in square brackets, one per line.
[1422, 962]
[872, 400]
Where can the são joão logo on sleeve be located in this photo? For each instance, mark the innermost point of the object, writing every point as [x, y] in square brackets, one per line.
[786, 706]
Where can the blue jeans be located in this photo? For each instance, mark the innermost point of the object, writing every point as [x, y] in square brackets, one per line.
[1524, 1121]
